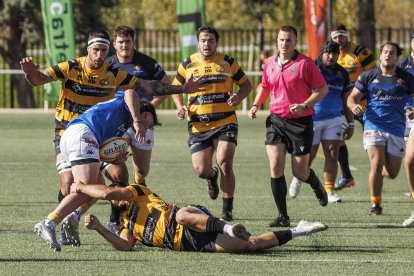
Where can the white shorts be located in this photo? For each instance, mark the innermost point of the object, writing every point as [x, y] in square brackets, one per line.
[146, 145]
[329, 129]
[79, 143]
[394, 145]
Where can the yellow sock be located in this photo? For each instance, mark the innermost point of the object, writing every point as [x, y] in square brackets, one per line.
[139, 179]
[377, 200]
[329, 187]
[85, 207]
[412, 195]
[54, 217]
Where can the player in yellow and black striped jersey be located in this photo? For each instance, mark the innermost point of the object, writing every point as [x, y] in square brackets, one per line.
[149, 219]
[208, 109]
[87, 81]
[83, 87]
[212, 113]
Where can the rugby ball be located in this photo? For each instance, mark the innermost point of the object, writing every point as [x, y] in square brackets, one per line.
[111, 148]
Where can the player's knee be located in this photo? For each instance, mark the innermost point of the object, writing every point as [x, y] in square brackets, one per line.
[202, 172]
[226, 168]
[182, 216]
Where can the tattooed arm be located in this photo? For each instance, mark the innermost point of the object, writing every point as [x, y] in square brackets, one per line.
[157, 88]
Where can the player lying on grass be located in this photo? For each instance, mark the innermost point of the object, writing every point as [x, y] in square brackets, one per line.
[152, 221]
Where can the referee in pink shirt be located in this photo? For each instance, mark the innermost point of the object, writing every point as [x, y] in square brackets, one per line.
[295, 85]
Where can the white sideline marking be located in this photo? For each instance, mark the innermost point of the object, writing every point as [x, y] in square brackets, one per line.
[325, 261]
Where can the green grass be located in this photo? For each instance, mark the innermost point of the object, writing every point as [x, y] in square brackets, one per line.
[354, 243]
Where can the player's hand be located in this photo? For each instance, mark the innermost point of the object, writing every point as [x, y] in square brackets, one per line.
[74, 188]
[409, 112]
[194, 84]
[349, 132]
[181, 112]
[297, 109]
[234, 99]
[252, 112]
[92, 222]
[139, 131]
[27, 65]
[121, 158]
[358, 110]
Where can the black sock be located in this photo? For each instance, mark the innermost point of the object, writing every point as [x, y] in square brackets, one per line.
[60, 196]
[215, 225]
[115, 214]
[344, 162]
[228, 204]
[313, 180]
[283, 236]
[279, 190]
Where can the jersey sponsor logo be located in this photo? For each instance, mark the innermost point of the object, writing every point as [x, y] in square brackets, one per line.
[216, 78]
[150, 226]
[209, 99]
[86, 90]
[92, 143]
[75, 107]
[379, 96]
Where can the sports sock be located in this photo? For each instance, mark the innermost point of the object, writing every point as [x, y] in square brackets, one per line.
[412, 195]
[215, 225]
[283, 236]
[52, 220]
[228, 204]
[279, 191]
[329, 187]
[313, 180]
[344, 162]
[139, 179]
[377, 200]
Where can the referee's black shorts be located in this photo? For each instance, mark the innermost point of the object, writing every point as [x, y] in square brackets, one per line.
[296, 134]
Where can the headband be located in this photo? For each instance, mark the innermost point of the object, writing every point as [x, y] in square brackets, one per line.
[98, 40]
[338, 33]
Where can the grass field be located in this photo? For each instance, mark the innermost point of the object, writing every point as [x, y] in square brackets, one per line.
[354, 243]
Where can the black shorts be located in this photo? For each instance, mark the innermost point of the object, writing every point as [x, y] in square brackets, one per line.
[198, 141]
[199, 241]
[296, 134]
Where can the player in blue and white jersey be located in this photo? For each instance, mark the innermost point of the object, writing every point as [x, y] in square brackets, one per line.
[144, 67]
[407, 64]
[328, 117]
[80, 147]
[387, 88]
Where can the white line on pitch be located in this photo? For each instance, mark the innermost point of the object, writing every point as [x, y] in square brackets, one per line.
[326, 261]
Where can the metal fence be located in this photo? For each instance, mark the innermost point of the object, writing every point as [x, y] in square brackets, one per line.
[164, 46]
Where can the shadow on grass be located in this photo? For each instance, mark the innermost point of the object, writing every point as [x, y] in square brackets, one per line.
[25, 260]
[280, 252]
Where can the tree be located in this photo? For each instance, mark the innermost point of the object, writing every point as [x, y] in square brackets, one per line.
[21, 22]
[367, 23]
[19, 19]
